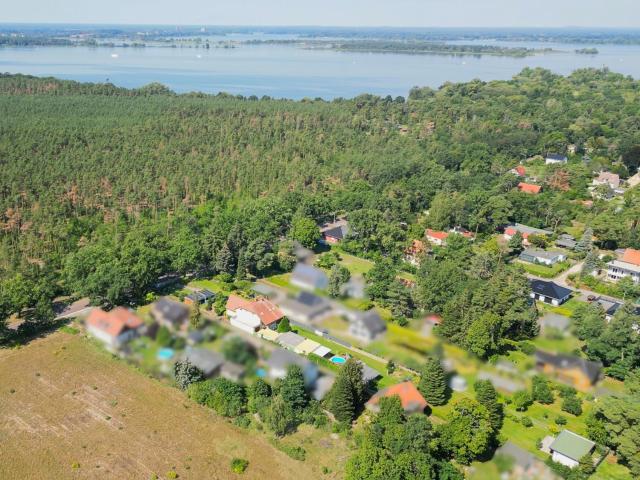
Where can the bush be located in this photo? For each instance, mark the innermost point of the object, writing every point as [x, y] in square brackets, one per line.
[521, 400]
[243, 421]
[526, 422]
[171, 474]
[527, 348]
[239, 465]
[560, 420]
[572, 405]
[293, 451]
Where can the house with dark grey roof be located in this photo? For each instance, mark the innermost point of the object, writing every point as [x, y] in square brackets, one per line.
[568, 448]
[333, 233]
[366, 326]
[208, 361]
[199, 297]
[173, 315]
[575, 371]
[549, 292]
[305, 307]
[610, 308]
[554, 158]
[309, 277]
[566, 241]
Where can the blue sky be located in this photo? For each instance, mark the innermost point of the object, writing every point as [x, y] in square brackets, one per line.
[439, 13]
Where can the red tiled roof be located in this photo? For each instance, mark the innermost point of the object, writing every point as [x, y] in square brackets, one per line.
[529, 188]
[434, 318]
[521, 170]
[631, 256]
[416, 247]
[435, 234]
[115, 321]
[263, 308]
[410, 397]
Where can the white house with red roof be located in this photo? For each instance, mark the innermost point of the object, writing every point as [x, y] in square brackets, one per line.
[114, 328]
[627, 266]
[252, 315]
[436, 237]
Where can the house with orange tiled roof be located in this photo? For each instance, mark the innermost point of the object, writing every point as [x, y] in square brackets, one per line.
[115, 328]
[519, 171]
[626, 266]
[436, 237]
[252, 315]
[411, 399]
[529, 188]
[414, 252]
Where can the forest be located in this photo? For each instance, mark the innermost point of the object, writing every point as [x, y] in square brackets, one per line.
[104, 189]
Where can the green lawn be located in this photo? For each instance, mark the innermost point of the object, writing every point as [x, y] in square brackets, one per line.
[544, 271]
[565, 309]
[559, 345]
[356, 265]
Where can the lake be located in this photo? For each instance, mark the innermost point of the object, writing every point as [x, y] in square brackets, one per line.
[290, 72]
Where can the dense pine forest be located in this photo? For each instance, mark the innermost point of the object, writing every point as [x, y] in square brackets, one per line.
[103, 189]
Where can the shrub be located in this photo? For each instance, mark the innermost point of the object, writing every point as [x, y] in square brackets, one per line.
[199, 392]
[560, 420]
[527, 348]
[172, 474]
[572, 405]
[243, 421]
[239, 465]
[526, 422]
[521, 400]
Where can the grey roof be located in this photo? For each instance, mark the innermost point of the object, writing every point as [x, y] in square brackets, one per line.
[522, 458]
[310, 300]
[337, 230]
[549, 289]
[195, 336]
[290, 339]
[611, 307]
[569, 243]
[232, 370]
[555, 320]
[530, 230]
[206, 360]
[372, 321]
[537, 253]
[589, 368]
[201, 295]
[175, 312]
[310, 275]
[368, 374]
[281, 359]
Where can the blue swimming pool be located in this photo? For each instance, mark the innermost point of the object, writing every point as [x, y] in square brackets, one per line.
[338, 360]
[165, 353]
[261, 372]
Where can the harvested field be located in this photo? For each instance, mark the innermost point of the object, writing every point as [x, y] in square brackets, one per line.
[69, 410]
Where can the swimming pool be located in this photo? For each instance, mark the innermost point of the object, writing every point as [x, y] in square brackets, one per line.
[338, 360]
[165, 353]
[261, 372]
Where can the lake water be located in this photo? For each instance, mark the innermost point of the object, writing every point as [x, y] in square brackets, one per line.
[291, 72]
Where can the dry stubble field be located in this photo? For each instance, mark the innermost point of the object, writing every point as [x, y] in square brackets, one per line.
[69, 410]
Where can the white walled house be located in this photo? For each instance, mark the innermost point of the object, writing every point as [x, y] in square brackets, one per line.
[568, 448]
[115, 328]
[252, 315]
[627, 266]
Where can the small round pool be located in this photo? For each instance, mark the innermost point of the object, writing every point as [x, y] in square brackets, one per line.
[165, 353]
[261, 372]
[338, 360]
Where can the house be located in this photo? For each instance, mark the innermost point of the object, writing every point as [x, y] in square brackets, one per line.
[170, 314]
[115, 328]
[232, 371]
[525, 231]
[305, 307]
[534, 255]
[302, 254]
[290, 340]
[627, 266]
[280, 361]
[519, 171]
[554, 321]
[634, 181]
[411, 399]
[574, 371]
[568, 448]
[366, 326]
[354, 288]
[252, 315]
[368, 374]
[525, 464]
[464, 232]
[549, 292]
[610, 308]
[414, 252]
[309, 277]
[333, 233]
[566, 241]
[322, 387]
[553, 158]
[207, 361]
[194, 337]
[608, 178]
[529, 188]
[199, 297]
[430, 322]
[436, 237]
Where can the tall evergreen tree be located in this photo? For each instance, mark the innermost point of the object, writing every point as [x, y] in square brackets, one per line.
[433, 383]
[487, 396]
[585, 244]
[224, 260]
[342, 403]
[293, 390]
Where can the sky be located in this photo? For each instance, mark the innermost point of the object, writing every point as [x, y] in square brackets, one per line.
[396, 13]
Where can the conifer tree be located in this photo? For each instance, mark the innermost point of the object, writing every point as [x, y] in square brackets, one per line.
[342, 403]
[224, 260]
[540, 391]
[433, 383]
[486, 395]
[292, 389]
